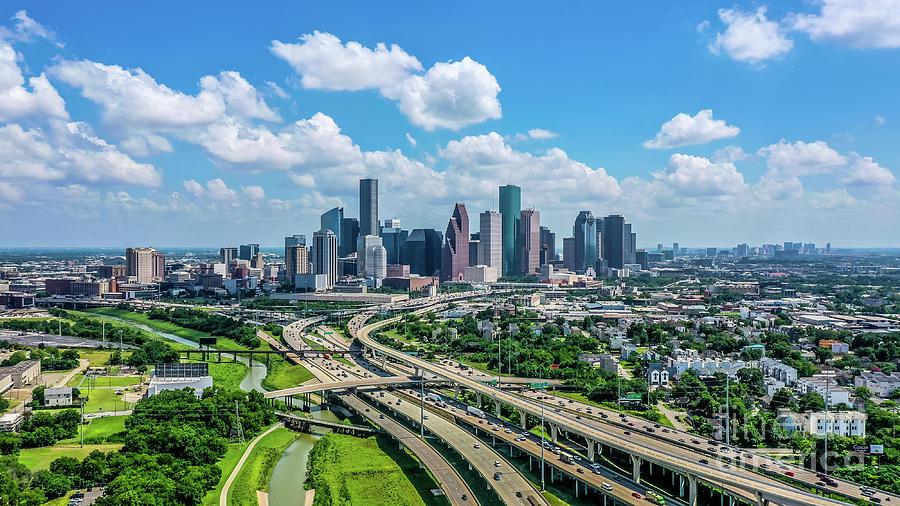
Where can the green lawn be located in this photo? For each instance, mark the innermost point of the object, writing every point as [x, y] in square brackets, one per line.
[284, 375]
[99, 430]
[40, 458]
[257, 469]
[160, 325]
[227, 375]
[232, 455]
[102, 399]
[351, 470]
[80, 381]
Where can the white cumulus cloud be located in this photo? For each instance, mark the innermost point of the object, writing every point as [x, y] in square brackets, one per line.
[750, 37]
[865, 171]
[801, 158]
[448, 95]
[858, 23]
[686, 130]
[700, 177]
[16, 100]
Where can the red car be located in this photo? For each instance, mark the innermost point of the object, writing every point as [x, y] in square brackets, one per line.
[635, 495]
[789, 473]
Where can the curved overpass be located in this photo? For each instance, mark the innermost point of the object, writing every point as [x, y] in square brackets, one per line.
[735, 479]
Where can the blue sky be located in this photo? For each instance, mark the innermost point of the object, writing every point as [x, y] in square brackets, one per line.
[706, 123]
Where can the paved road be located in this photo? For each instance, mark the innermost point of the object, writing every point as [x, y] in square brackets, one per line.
[223, 496]
[452, 484]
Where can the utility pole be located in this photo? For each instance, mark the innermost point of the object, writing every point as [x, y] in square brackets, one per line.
[827, 395]
[727, 410]
[422, 405]
[542, 436]
[81, 423]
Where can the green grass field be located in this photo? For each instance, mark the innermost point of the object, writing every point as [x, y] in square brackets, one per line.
[284, 375]
[40, 458]
[142, 318]
[102, 399]
[99, 430]
[232, 455]
[258, 467]
[350, 470]
[80, 381]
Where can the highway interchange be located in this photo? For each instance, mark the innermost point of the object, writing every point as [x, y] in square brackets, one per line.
[754, 479]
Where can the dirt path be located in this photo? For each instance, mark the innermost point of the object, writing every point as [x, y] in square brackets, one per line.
[83, 364]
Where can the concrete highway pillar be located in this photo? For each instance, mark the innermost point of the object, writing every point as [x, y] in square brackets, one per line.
[523, 419]
[554, 432]
[636, 469]
[591, 447]
[692, 490]
[529, 462]
[497, 407]
[680, 486]
[456, 392]
[478, 399]
[383, 361]
[759, 499]
[576, 489]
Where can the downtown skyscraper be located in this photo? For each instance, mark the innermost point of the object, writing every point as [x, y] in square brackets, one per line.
[333, 219]
[587, 249]
[368, 208]
[455, 257]
[510, 210]
[324, 255]
[490, 239]
[529, 242]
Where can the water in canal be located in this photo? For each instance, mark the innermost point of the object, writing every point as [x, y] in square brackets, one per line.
[286, 485]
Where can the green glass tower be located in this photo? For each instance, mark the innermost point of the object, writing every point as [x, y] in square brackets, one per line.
[510, 210]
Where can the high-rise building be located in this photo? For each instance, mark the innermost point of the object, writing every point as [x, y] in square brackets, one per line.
[145, 264]
[291, 267]
[376, 262]
[586, 248]
[368, 207]
[455, 257]
[490, 239]
[226, 255]
[333, 219]
[324, 255]
[257, 262]
[630, 245]
[363, 249]
[393, 238]
[423, 249]
[530, 242]
[675, 249]
[548, 246]
[349, 237]
[248, 251]
[474, 246]
[615, 243]
[569, 253]
[510, 210]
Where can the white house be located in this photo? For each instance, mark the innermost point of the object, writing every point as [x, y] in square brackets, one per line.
[60, 396]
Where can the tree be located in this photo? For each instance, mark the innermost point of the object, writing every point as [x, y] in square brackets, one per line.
[812, 401]
[823, 354]
[54, 485]
[753, 379]
[781, 399]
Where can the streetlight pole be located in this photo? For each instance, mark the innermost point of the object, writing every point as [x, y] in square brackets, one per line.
[422, 405]
[542, 436]
[727, 410]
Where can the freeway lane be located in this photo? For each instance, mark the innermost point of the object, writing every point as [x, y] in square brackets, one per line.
[734, 478]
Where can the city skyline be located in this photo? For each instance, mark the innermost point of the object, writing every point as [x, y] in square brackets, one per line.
[188, 144]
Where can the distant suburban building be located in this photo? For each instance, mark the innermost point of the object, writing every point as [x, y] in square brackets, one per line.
[844, 423]
[178, 376]
[23, 373]
[880, 384]
[59, 396]
[10, 422]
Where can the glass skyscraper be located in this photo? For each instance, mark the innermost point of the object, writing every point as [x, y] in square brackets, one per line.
[333, 220]
[510, 210]
[368, 208]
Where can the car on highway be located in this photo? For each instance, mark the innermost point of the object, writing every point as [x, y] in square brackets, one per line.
[606, 486]
[496, 463]
[704, 461]
[497, 476]
[476, 446]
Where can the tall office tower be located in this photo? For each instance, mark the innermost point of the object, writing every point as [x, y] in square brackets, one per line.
[490, 239]
[291, 267]
[423, 247]
[474, 246]
[569, 253]
[743, 250]
[333, 219]
[455, 256]
[363, 248]
[630, 240]
[615, 243]
[675, 249]
[586, 249]
[376, 262]
[248, 251]
[530, 241]
[548, 246]
[226, 255]
[510, 210]
[145, 264]
[827, 248]
[393, 238]
[324, 255]
[659, 248]
[257, 262]
[349, 237]
[296, 261]
[368, 207]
